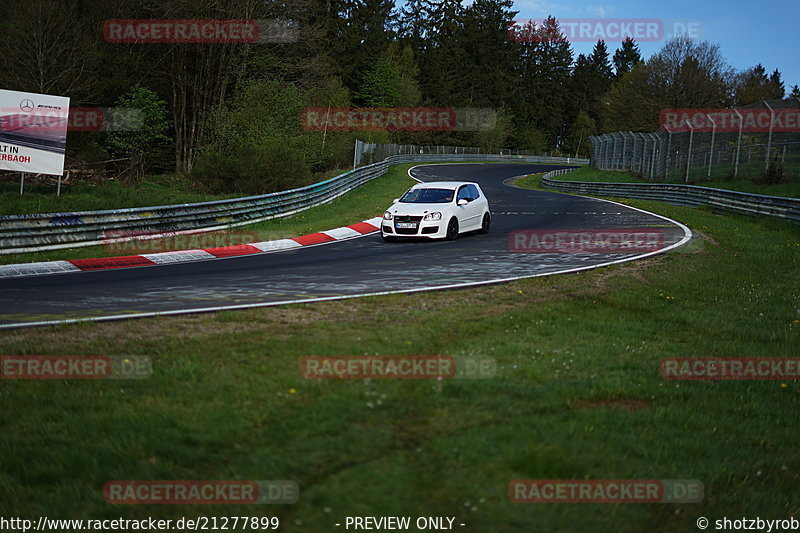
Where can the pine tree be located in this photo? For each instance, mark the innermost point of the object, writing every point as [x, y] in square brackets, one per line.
[599, 59]
[544, 93]
[777, 90]
[491, 56]
[362, 33]
[626, 57]
[753, 87]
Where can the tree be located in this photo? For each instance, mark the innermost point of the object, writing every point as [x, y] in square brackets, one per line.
[600, 78]
[578, 139]
[630, 105]
[688, 73]
[795, 92]
[139, 125]
[626, 57]
[381, 85]
[776, 85]
[361, 34]
[600, 63]
[43, 54]
[544, 80]
[754, 85]
[582, 81]
[490, 55]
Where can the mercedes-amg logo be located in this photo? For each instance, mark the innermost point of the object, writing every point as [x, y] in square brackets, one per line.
[26, 105]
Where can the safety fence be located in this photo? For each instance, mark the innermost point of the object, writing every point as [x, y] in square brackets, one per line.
[680, 194]
[367, 153]
[711, 145]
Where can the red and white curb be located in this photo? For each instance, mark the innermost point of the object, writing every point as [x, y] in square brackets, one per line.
[353, 231]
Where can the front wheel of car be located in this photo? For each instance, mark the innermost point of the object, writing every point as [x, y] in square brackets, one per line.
[388, 238]
[487, 222]
[452, 230]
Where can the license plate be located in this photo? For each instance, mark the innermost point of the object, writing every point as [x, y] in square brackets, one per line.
[407, 225]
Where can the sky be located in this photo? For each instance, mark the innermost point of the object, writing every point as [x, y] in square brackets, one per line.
[748, 33]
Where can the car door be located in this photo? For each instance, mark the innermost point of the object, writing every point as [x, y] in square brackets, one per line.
[468, 213]
[480, 203]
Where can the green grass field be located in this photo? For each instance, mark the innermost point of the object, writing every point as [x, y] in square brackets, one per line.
[577, 396]
[165, 189]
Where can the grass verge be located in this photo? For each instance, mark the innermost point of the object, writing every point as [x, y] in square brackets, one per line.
[590, 173]
[577, 395]
[368, 201]
[164, 189]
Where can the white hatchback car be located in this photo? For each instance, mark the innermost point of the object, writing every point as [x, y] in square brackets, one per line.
[437, 210]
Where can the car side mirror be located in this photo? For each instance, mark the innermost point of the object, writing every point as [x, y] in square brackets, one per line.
[395, 200]
[463, 201]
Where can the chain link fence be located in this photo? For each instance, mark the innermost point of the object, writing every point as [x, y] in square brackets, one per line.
[368, 153]
[718, 151]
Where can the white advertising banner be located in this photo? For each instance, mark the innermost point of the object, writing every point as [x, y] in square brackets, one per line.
[33, 132]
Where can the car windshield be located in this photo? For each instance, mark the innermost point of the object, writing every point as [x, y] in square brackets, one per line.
[428, 196]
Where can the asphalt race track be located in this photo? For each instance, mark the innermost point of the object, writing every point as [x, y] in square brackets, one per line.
[349, 268]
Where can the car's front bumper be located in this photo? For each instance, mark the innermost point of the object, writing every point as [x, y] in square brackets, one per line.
[432, 229]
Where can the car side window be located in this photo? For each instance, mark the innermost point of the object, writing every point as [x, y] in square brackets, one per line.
[473, 192]
[463, 193]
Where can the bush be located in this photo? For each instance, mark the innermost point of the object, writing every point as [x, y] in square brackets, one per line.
[251, 170]
[140, 126]
[775, 173]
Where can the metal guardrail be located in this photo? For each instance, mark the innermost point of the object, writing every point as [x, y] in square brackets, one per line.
[690, 195]
[51, 231]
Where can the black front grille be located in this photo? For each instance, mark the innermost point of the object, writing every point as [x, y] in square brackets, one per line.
[407, 218]
[406, 231]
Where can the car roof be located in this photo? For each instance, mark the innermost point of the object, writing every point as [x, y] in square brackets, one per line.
[442, 184]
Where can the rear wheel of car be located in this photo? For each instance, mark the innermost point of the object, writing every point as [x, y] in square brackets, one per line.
[487, 222]
[452, 230]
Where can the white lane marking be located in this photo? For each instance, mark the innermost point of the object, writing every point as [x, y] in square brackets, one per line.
[342, 233]
[178, 256]
[32, 269]
[376, 222]
[274, 246]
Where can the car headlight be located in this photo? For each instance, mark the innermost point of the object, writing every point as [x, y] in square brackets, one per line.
[433, 216]
[387, 216]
